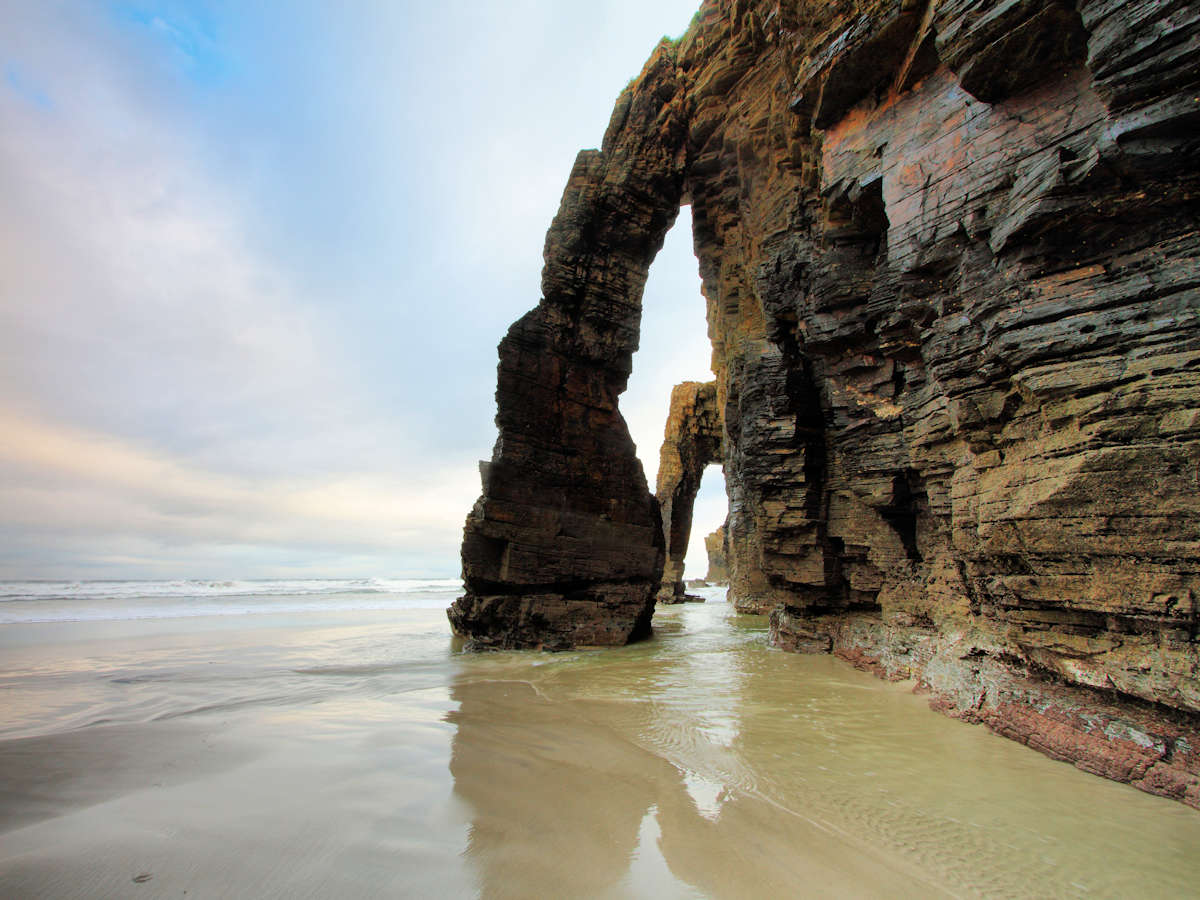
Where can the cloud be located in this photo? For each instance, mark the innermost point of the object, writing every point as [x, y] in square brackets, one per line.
[137, 298]
[172, 396]
[92, 492]
[255, 260]
[185, 34]
[129, 295]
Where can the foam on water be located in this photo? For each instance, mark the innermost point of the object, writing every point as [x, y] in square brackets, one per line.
[90, 601]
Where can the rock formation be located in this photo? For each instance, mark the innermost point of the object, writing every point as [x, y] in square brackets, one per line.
[714, 544]
[692, 441]
[951, 258]
[564, 547]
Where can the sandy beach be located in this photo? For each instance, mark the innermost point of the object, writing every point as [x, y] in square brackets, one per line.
[356, 753]
[342, 341]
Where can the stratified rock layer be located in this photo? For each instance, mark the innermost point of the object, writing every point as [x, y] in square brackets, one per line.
[691, 442]
[951, 257]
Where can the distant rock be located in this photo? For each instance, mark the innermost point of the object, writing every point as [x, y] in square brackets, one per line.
[692, 441]
[716, 545]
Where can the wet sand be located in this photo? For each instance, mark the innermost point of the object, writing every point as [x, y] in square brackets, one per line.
[356, 754]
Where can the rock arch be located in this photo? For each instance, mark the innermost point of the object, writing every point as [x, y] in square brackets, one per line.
[948, 252]
[564, 547]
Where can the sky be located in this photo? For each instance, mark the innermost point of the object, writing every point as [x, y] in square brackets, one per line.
[255, 260]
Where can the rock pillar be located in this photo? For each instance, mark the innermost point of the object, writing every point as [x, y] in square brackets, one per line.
[564, 547]
[692, 441]
[718, 569]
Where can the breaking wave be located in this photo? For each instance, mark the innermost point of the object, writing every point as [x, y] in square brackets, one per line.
[65, 601]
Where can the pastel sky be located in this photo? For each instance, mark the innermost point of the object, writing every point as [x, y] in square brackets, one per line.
[255, 259]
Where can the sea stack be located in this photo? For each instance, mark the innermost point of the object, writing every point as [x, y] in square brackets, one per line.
[691, 442]
[950, 253]
[717, 551]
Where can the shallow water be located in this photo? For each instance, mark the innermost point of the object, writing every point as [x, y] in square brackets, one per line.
[355, 753]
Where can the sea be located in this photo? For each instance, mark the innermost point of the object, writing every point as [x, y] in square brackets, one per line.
[331, 738]
[23, 602]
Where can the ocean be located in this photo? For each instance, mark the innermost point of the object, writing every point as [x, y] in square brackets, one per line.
[23, 602]
[329, 738]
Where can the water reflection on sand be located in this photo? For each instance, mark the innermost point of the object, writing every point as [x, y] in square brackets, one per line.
[705, 764]
[620, 773]
[357, 754]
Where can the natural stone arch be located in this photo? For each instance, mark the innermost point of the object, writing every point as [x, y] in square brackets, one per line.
[564, 547]
[953, 311]
[692, 441]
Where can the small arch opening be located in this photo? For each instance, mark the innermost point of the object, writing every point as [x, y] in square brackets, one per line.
[675, 354]
[709, 512]
[673, 345]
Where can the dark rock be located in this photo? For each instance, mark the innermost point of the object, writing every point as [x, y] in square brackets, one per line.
[564, 547]
[998, 49]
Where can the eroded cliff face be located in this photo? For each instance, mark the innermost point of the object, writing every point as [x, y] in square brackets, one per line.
[950, 257]
[692, 440]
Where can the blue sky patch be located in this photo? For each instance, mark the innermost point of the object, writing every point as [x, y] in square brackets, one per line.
[26, 88]
[185, 30]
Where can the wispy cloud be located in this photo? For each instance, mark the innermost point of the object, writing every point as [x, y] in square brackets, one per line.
[167, 387]
[255, 260]
[183, 31]
[136, 301]
[82, 488]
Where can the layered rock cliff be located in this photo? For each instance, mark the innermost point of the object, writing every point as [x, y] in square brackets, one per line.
[951, 258]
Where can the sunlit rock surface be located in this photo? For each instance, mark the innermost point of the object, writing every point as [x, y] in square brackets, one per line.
[717, 550]
[951, 259]
[691, 442]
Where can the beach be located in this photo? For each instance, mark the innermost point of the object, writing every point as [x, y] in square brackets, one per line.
[340, 744]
